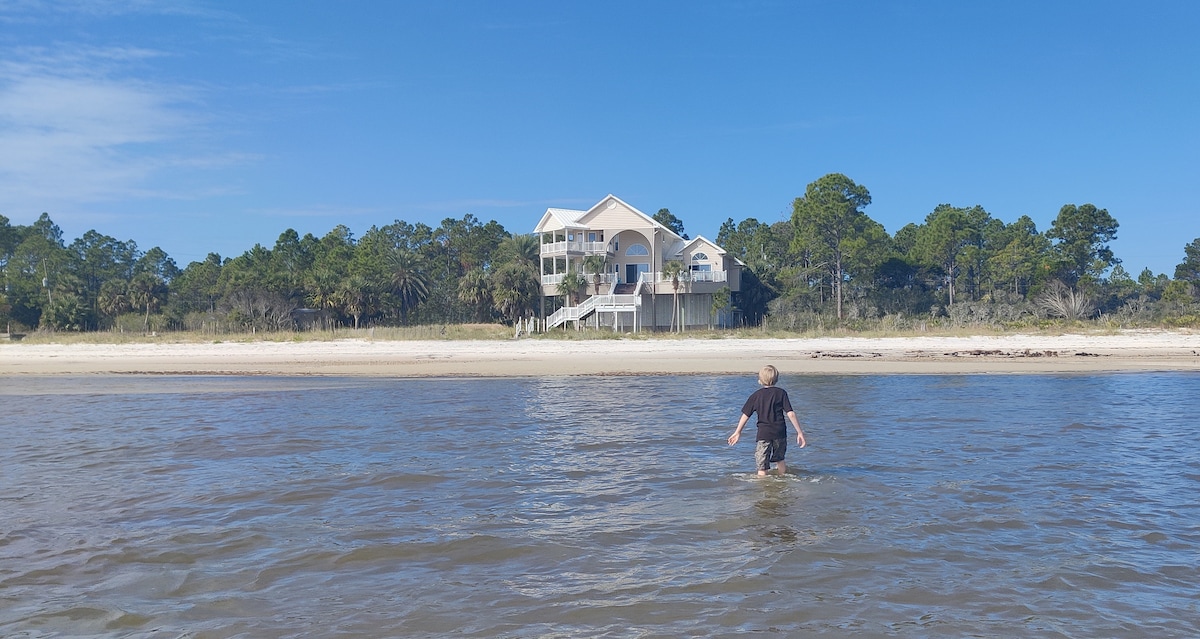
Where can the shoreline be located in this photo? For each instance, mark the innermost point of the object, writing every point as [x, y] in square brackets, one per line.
[1134, 350]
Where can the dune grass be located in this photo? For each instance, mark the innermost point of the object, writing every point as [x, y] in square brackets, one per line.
[437, 332]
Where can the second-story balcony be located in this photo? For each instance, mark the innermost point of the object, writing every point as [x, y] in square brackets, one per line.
[694, 276]
[575, 247]
[662, 283]
[555, 279]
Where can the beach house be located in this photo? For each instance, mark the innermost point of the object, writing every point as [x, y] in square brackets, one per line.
[639, 274]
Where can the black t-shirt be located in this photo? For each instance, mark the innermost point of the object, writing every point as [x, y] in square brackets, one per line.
[772, 404]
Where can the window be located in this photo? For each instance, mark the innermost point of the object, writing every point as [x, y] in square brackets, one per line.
[702, 267]
[699, 257]
[636, 249]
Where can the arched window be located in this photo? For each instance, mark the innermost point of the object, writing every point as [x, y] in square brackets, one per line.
[636, 249]
[699, 257]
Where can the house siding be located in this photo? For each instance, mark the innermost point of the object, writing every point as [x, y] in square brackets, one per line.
[626, 225]
[620, 217]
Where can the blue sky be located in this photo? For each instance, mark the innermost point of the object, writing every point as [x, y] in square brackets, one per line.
[205, 126]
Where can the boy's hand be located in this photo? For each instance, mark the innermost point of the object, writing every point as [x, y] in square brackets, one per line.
[733, 439]
[800, 440]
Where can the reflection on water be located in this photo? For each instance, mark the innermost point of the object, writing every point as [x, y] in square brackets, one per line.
[951, 506]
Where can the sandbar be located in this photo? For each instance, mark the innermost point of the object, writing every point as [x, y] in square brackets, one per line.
[1128, 350]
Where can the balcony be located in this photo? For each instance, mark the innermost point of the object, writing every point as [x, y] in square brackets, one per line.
[718, 277]
[575, 247]
[695, 276]
[555, 279]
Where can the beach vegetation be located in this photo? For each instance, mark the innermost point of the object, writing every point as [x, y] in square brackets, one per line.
[831, 229]
[677, 273]
[474, 290]
[720, 305]
[572, 285]
[826, 269]
[407, 281]
[1060, 300]
[514, 277]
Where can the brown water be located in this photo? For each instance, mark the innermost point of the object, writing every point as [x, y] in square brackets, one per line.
[925, 506]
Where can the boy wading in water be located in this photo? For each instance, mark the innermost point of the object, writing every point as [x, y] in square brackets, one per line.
[772, 405]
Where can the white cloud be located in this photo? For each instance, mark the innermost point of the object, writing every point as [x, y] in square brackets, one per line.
[87, 113]
[70, 136]
[75, 129]
[30, 11]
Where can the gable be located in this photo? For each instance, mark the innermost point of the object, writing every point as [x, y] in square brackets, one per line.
[701, 244]
[613, 213]
[558, 219]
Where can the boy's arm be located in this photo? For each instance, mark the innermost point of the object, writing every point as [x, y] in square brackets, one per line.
[791, 414]
[737, 432]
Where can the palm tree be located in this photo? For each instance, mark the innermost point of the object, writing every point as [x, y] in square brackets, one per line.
[408, 281]
[474, 290]
[1060, 300]
[721, 299]
[148, 291]
[515, 287]
[596, 264]
[322, 286]
[355, 295]
[5, 310]
[524, 247]
[677, 271]
[113, 300]
[572, 283]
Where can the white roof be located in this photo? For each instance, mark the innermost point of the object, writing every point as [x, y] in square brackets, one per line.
[563, 218]
[568, 217]
[572, 219]
[700, 238]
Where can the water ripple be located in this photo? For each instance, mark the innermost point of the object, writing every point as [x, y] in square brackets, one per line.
[1039, 506]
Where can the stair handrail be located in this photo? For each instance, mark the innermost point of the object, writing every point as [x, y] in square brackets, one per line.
[589, 306]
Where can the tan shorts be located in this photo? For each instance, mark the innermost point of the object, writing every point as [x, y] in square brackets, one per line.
[766, 452]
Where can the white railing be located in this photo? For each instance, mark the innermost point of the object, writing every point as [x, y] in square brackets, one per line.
[617, 303]
[557, 278]
[575, 246]
[571, 313]
[708, 276]
[694, 276]
[644, 277]
[605, 278]
[601, 303]
[561, 316]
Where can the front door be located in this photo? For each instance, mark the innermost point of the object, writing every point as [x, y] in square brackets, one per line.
[632, 271]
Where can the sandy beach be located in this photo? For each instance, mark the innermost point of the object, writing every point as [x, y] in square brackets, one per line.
[1141, 350]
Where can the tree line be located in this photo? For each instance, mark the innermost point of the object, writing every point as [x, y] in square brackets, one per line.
[399, 274]
[961, 265]
[830, 263]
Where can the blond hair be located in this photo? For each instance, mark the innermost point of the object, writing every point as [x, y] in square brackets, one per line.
[768, 375]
